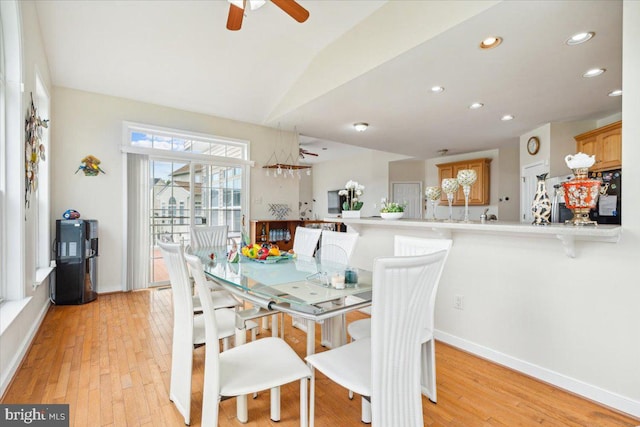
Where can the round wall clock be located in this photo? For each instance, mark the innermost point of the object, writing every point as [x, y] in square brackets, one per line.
[533, 145]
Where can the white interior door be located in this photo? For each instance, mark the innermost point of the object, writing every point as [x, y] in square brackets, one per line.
[409, 193]
[528, 190]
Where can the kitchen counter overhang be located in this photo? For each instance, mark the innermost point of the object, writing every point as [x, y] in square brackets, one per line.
[566, 234]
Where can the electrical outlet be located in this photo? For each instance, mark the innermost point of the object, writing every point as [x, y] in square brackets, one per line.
[458, 301]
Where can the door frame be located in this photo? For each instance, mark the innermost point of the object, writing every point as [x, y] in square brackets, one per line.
[420, 193]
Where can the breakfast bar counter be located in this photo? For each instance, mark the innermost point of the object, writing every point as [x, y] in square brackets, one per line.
[568, 235]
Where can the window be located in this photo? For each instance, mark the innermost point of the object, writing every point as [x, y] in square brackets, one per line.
[195, 179]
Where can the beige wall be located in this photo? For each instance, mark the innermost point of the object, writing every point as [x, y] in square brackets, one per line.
[89, 123]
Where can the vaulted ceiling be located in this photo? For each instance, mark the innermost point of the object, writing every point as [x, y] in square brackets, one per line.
[351, 61]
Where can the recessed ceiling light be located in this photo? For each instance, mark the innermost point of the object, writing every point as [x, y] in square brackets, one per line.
[594, 72]
[476, 105]
[490, 42]
[507, 117]
[616, 92]
[437, 89]
[580, 38]
[361, 126]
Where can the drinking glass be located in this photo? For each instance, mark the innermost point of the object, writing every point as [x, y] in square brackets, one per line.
[466, 178]
[433, 195]
[450, 186]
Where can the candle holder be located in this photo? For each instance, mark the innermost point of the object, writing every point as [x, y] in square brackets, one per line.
[466, 178]
[450, 186]
[433, 195]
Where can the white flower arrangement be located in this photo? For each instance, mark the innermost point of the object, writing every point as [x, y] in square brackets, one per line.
[352, 191]
[392, 206]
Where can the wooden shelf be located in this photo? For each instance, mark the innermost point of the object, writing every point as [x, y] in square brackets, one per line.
[280, 232]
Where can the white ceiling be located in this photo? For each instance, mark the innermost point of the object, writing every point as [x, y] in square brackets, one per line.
[179, 54]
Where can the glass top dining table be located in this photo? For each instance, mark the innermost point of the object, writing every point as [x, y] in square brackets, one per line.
[300, 286]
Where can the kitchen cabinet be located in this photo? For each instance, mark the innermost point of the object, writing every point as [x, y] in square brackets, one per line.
[605, 143]
[479, 191]
[282, 232]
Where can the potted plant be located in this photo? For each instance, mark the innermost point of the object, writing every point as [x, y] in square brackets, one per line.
[352, 205]
[391, 210]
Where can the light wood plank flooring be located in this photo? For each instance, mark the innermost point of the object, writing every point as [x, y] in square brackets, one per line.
[110, 360]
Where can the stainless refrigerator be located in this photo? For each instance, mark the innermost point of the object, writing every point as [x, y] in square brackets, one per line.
[76, 247]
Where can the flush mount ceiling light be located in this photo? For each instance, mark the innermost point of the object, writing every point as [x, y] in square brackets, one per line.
[580, 38]
[616, 92]
[594, 72]
[361, 126]
[437, 89]
[507, 117]
[490, 42]
[476, 105]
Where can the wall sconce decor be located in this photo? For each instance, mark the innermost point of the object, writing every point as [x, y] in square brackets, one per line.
[34, 149]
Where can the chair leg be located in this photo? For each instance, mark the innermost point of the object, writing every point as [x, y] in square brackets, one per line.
[225, 344]
[275, 404]
[365, 411]
[428, 370]
[312, 398]
[304, 416]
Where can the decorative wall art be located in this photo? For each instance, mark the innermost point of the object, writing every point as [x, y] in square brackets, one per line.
[34, 149]
[90, 166]
[279, 210]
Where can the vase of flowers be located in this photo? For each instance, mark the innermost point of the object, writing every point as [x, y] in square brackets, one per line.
[391, 210]
[352, 192]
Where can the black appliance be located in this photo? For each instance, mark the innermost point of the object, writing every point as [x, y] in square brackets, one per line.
[76, 247]
[609, 207]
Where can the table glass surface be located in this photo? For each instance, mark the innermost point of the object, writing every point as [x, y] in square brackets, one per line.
[299, 281]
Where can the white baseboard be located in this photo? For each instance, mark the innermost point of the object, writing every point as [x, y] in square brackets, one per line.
[588, 391]
[19, 355]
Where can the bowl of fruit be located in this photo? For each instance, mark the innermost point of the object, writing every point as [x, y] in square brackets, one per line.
[265, 253]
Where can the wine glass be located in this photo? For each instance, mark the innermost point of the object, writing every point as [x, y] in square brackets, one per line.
[450, 186]
[433, 194]
[466, 178]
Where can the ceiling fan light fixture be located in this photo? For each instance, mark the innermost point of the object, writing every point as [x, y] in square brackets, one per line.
[253, 4]
[360, 126]
[594, 72]
[491, 42]
[580, 38]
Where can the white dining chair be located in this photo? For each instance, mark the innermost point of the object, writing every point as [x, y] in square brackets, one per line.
[410, 246]
[305, 242]
[267, 363]
[385, 367]
[335, 247]
[209, 236]
[189, 328]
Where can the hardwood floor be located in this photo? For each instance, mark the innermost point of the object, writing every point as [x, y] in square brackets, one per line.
[110, 361]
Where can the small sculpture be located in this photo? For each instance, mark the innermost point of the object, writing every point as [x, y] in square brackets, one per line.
[90, 166]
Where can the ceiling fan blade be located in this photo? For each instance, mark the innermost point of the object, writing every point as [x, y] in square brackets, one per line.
[293, 9]
[234, 21]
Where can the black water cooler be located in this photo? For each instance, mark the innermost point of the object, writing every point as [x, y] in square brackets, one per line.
[76, 249]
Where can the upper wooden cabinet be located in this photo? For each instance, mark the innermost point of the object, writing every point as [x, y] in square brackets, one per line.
[479, 191]
[605, 143]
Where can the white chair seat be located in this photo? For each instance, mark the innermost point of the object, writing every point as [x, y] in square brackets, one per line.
[348, 365]
[244, 371]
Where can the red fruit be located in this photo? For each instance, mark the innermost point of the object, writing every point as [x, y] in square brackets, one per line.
[263, 253]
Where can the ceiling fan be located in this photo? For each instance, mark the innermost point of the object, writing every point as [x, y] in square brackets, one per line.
[236, 11]
[304, 153]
